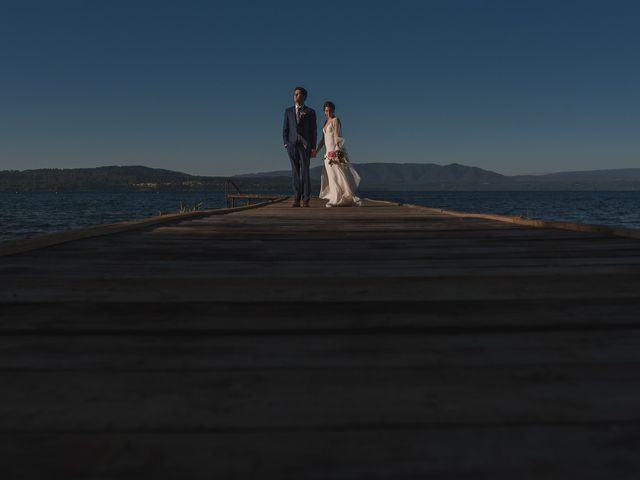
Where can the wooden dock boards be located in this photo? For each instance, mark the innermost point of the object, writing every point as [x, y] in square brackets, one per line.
[378, 342]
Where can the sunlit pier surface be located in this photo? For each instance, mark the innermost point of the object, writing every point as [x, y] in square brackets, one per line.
[380, 342]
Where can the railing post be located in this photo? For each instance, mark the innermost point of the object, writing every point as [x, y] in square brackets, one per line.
[231, 202]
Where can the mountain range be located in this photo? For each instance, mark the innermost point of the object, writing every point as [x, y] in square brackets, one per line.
[375, 176]
[430, 176]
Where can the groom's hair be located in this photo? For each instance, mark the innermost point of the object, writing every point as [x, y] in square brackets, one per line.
[303, 91]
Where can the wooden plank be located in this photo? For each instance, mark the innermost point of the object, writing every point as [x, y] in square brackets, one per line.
[291, 289]
[214, 241]
[317, 398]
[291, 269]
[518, 451]
[470, 317]
[288, 249]
[199, 350]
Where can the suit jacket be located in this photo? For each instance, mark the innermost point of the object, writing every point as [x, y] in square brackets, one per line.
[305, 132]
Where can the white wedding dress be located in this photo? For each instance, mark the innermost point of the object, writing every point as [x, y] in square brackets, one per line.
[339, 182]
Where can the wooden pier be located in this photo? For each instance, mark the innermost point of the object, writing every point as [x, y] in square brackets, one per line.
[381, 342]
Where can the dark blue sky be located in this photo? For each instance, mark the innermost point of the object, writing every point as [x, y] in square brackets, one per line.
[512, 86]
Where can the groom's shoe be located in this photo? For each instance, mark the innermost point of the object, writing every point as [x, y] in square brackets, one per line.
[295, 203]
[305, 204]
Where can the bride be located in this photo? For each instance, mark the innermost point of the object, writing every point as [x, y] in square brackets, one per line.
[339, 179]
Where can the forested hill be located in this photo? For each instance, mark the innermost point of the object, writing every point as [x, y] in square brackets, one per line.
[375, 176]
[430, 176]
[115, 179]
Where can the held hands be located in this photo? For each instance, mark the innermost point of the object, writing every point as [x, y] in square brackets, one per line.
[313, 151]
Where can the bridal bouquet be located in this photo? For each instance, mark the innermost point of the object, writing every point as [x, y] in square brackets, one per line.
[338, 157]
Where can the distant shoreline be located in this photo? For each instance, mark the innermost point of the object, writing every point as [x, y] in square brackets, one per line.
[379, 177]
[286, 192]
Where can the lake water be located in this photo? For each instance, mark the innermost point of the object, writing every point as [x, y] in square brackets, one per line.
[28, 214]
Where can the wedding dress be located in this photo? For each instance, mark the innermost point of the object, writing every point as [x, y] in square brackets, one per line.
[339, 181]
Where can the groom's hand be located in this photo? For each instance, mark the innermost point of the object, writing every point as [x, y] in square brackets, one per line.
[313, 153]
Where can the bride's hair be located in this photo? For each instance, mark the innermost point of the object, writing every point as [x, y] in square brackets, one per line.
[331, 105]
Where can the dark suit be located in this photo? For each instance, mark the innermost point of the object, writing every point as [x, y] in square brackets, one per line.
[300, 138]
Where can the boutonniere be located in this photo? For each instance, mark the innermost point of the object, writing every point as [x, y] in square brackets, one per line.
[303, 113]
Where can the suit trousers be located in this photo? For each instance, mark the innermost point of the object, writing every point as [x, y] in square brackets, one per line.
[301, 181]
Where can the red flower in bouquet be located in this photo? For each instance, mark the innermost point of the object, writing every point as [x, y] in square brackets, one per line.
[337, 156]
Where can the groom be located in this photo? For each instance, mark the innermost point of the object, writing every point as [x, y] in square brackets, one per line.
[300, 134]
